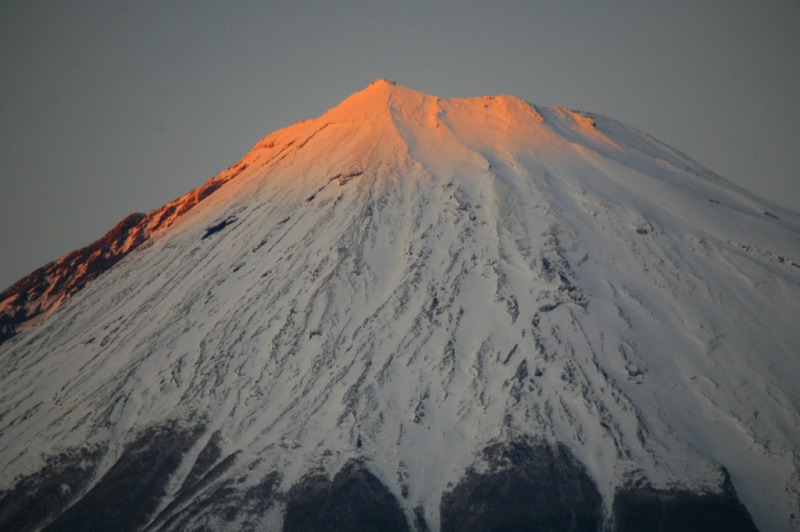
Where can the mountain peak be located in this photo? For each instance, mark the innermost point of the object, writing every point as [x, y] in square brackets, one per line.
[383, 95]
[382, 82]
[376, 99]
[444, 134]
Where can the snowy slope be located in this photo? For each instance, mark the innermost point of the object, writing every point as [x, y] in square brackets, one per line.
[407, 280]
[39, 294]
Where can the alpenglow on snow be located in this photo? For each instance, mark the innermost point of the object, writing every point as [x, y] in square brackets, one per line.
[417, 313]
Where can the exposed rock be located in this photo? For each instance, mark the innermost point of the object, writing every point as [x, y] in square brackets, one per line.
[354, 500]
[528, 486]
[226, 506]
[646, 508]
[128, 494]
[40, 497]
[41, 292]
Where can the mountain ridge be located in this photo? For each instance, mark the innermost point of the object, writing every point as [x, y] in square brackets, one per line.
[38, 294]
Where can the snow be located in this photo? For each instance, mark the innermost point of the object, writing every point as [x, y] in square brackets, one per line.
[430, 276]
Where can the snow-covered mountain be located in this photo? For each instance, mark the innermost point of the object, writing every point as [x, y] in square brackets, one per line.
[422, 313]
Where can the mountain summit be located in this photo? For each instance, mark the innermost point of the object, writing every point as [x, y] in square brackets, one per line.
[416, 313]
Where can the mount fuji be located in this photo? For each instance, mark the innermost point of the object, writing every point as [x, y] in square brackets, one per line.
[416, 313]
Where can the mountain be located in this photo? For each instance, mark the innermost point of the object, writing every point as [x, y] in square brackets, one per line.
[416, 313]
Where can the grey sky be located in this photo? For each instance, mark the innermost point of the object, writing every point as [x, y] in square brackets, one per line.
[112, 107]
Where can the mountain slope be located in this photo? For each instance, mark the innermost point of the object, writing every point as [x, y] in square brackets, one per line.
[40, 293]
[426, 295]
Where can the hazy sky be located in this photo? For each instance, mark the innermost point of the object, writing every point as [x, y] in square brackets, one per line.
[112, 107]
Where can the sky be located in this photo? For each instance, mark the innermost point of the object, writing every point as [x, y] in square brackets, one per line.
[113, 107]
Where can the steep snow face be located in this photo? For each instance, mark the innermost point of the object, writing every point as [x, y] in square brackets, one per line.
[408, 279]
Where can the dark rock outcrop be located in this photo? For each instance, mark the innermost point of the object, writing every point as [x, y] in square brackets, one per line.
[354, 500]
[529, 485]
[645, 508]
[56, 497]
[129, 492]
[522, 485]
[224, 506]
[40, 497]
